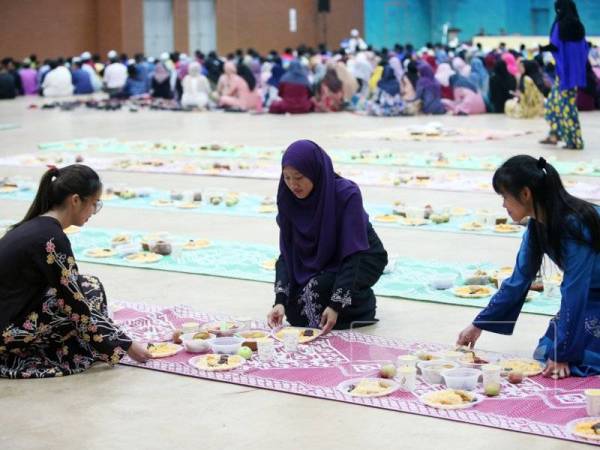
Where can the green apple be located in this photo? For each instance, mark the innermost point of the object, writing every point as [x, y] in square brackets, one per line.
[245, 352]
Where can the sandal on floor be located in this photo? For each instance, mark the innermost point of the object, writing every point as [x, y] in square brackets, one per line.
[549, 141]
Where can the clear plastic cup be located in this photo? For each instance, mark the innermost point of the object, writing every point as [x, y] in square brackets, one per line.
[266, 349]
[592, 399]
[291, 339]
[406, 361]
[407, 378]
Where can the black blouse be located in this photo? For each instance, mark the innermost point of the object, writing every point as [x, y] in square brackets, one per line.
[36, 257]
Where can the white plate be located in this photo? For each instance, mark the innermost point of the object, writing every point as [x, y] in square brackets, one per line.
[478, 399]
[571, 428]
[175, 348]
[192, 362]
[344, 385]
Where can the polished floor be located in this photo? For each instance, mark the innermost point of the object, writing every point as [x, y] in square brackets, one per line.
[133, 408]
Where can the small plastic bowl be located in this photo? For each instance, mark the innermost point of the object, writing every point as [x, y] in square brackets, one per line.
[192, 345]
[431, 371]
[442, 284]
[463, 378]
[226, 345]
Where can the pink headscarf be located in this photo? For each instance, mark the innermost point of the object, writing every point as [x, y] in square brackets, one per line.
[511, 63]
[443, 74]
[461, 66]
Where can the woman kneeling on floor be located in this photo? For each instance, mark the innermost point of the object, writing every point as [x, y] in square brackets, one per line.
[330, 254]
[54, 321]
[567, 229]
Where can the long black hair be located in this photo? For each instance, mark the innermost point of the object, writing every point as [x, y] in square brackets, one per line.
[58, 184]
[533, 71]
[570, 27]
[564, 216]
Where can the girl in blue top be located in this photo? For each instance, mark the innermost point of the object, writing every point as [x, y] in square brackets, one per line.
[567, 229]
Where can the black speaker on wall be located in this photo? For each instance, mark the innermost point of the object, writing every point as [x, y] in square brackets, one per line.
[324, 6]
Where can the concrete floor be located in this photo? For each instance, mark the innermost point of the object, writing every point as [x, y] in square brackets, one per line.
[127, 408]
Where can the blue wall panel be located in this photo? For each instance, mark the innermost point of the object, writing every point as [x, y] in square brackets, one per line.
[421, 21]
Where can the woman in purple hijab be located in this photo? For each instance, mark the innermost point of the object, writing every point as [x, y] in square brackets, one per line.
[570, 51]
[429, 91]
[330, 254]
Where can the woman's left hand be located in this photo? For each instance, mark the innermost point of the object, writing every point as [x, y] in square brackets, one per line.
[556, 370]
[328, 320]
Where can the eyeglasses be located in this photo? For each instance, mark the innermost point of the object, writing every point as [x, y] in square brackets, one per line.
[98, 206]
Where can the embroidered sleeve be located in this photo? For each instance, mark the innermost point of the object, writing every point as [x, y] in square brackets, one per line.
[282, 285]
[94, 328]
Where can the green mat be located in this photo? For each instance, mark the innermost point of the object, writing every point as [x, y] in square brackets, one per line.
[431, 160]
[249, 206]
[9, 126]
[404, 278]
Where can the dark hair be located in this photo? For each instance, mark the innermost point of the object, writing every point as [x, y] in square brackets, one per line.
[550, 201]
[57, 184]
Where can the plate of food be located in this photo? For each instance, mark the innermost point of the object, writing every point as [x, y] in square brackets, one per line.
[585, 428]
[251, 337]
[196, 244]
[451, 399]
[189, 205]
[73, 229]
[162, 203]
[472, 291]
[528, 367]
[507, 228]
[222, 328]
[474, 358]
[213, 362]
[427, 356]
[267, 209]
[386, 218]
[306, 335]
[163, 349]
[100, 253]
[414, 222]
[144, 257]
[368, 387]
[459, 212]
[120, 239]
[269, 264]
[472, 226]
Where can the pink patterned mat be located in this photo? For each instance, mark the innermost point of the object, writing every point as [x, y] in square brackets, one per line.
[537, 406]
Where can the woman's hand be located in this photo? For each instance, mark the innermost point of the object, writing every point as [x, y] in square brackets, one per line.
[469, 336]
[328, 320]
[556, 370]
[275, 317]
[138, 352]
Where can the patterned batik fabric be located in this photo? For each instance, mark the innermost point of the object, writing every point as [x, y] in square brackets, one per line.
[61, 336]
[563, 116]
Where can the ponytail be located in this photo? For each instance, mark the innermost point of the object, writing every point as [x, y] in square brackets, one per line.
[564, 216]
[58, 184]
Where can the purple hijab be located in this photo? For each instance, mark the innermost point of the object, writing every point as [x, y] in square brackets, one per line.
[318, 232]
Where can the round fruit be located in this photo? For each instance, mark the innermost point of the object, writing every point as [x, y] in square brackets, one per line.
[492, 389]
[515, 377]
[245, 352]
[387, 371]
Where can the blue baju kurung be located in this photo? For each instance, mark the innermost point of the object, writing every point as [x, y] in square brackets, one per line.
[573, 335]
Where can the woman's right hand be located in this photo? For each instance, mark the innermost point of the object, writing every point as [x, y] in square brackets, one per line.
[275, 317]
[139, 352]
[468, 337]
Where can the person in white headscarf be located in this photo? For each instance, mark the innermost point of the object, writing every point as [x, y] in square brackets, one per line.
[196, 88]
[361, 69]
[115, 74]
[356, 43]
